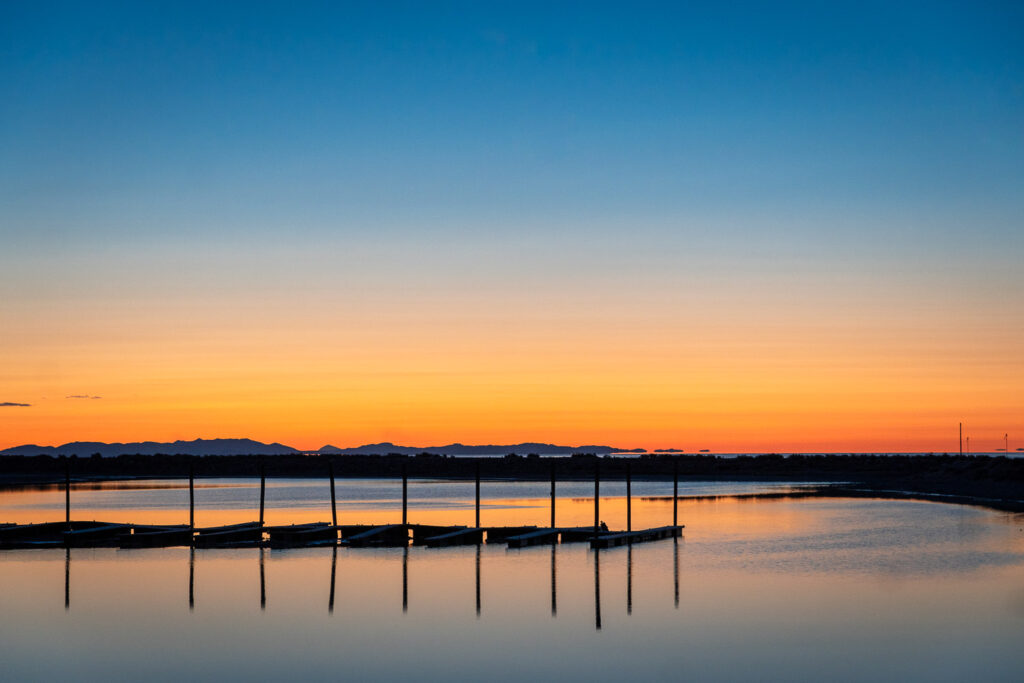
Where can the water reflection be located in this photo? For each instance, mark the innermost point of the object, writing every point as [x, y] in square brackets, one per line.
[405, 579]
[629, 579]
[263, 582]
[597, 589]
[67, 578]
[334, 571]
[675, 568]
[478, 581]
[191, 579]
[554, 583]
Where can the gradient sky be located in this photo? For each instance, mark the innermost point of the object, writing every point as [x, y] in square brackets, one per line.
[763, 227]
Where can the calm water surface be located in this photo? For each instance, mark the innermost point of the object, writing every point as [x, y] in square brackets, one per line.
[781, 589]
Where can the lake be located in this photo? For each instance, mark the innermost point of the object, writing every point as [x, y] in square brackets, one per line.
[757, 589]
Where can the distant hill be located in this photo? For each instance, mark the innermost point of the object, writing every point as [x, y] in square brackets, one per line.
[197, 447]
[388, 448]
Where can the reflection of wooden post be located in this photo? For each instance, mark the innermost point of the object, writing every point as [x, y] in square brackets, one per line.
[478, 496]
[597, 495]
[191, 495]
[554, 585]
[405, 495]
[597, 588]
[675, 492]
[629, 579]
[552, 493]
[405, 579]
[67, 493]
[334, 507]
[67, 578]
[478, 581]
[629, 500]
[263, 583]
[191, 578]
[263, 490]
[675, 566]
[334, 571]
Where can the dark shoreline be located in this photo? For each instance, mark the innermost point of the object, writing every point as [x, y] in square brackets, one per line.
[995, 482]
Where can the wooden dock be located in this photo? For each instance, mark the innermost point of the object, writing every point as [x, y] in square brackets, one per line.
[389, 535]
[630, 537]
[467, 536]
[72, 534]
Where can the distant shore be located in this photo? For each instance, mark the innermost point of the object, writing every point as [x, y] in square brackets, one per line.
[993, 482]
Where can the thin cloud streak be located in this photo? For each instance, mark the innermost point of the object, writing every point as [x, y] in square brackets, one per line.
[83, 396]
[10, 404]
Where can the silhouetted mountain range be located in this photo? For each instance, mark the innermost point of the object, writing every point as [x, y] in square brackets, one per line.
[250, 447]
[197, 447]
[387, 448]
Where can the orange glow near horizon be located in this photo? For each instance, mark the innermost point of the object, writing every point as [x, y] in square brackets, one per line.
[743, 387]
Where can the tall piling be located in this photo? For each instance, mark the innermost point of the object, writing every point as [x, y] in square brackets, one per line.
[405, 495]
[597, 496]
[191, 495]
[675, 492]
[478, 495]
[552, 493]
[67, 493]
[263, 493]
[629, 500]
[334, 504]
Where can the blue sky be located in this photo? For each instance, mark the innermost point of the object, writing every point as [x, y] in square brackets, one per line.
[672, 162]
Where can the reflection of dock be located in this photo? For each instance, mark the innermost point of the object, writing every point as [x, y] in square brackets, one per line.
[405, 578]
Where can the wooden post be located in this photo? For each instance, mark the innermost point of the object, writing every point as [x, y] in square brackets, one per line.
[263, 491]
[478, 498]
[334, 505]
[675, 492]
[404, 495]
[191, 495]
[597, 495]
[552, 493]
[629, 500]
[67, 493]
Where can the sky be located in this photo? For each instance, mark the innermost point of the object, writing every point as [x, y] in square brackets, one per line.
[744, 227]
